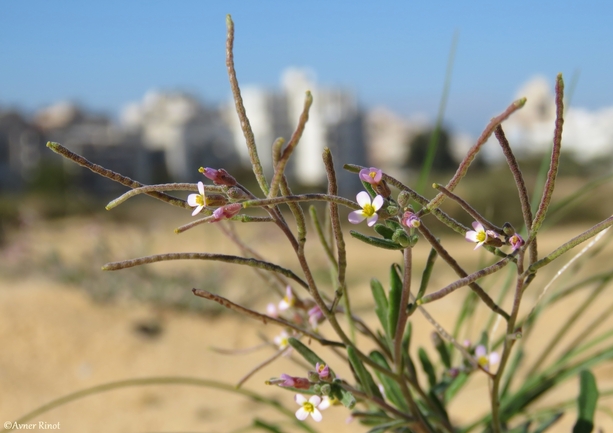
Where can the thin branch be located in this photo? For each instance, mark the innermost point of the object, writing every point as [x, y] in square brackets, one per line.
[263, 317]
[109, 174]
[472, 153]
[114, 266]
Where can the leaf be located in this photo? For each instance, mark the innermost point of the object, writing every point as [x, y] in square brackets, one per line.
[455, 386]
[427, 366]
[384, 231]
[425, 276]
[342, 395]
[391, 388]
[394, 300]
[378, 294]
[393, 224]
[588, 397]
[262, 425]
[549, 422]
[365, 378]
[387, 426]
[376, 242]
[310, 356]
[443, 351]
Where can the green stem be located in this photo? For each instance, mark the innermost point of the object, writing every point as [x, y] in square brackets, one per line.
[161, 188]
[303, 197]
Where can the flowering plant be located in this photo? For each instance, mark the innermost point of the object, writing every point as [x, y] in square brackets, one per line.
[385, 389]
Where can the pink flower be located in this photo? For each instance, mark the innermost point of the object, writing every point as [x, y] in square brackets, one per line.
[219, 177]
[197, 200]
[316, 316]
[322, 370]
[227, 211]
[369, 210]
[312, 407]
[371, 175]
[516, 241]
[411, 220]
[294, 382]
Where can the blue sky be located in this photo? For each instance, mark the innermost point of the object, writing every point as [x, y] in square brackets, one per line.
[104, 54]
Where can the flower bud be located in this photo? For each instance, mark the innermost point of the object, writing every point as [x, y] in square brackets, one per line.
[236, 194]
[313, 376]
[403, 199]
[219, 177]
[392, 210]
[401, 237]
[326, 389]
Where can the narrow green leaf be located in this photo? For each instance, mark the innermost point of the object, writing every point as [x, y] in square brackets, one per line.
[427, 366]
[391, 388]
[368, 187]
[443, 350]
[425, 277]
[406, 340]
[376, 242]
[456, 386]
[384, 231]
[548, 422]
[262, 425]
[394, 300]
[310, 356]
[387, 426]
[365, 378]
[522, 428]
[378, 294]
[588, 398]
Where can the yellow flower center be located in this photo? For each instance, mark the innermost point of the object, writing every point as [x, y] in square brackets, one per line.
[368, 210]
[308, 406]
[482, 360]
[200, 200]
[321, 368]
[372, 174]
[481, 236]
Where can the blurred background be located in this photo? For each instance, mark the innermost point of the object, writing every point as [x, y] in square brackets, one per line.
[141, 88]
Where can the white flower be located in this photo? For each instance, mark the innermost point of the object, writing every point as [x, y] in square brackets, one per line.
[282, 342]
[288, 300]
[311, 406]
[369, 210]
[485, 359]
[197, 200]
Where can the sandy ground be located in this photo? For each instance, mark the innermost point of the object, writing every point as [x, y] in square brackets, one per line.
[56, 340]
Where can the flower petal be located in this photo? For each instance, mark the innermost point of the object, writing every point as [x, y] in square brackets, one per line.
[480, 351]
[315, 400]
[494, 358]
[197, 210]
[201, 188]
[371, 221]
[191, 199]
[356, 217]
[300, 399]
[325, 404]
[302, 414]
[478, 226]
[363, 198]
[471, 236]
[377, 202]
[316, 415]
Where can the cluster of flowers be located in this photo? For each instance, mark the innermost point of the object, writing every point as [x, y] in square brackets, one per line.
[318, 381]
[409, 219]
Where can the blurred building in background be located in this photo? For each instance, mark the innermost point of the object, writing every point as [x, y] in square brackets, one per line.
[167, 136]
